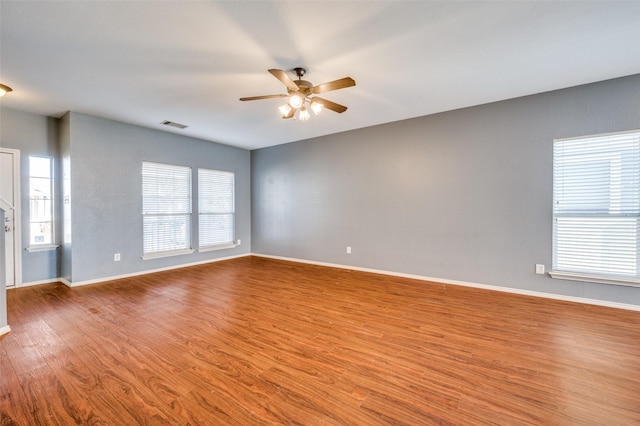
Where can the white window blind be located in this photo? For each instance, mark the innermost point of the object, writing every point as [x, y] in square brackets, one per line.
[216, 206]
[596, 191]
[166, 208]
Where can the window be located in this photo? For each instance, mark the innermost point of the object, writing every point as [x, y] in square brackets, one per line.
[166, 209]
[596, 208]
[40, 201]
[216, 208]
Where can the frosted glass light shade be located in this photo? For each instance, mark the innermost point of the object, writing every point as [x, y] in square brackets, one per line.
[296, 101]
[316, 107]
[285, 110]
[304, 115]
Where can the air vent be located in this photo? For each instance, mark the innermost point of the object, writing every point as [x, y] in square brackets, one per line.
[174, 124]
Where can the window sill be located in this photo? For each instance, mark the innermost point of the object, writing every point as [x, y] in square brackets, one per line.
[159, 255]
[576, 276]
[35, 249]
[217, 247]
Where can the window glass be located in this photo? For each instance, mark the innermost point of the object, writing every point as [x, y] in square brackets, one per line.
[596, 189]
[216, 208]
[40, 201]
[166, 207]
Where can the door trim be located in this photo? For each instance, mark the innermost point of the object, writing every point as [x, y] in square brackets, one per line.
[17, 216]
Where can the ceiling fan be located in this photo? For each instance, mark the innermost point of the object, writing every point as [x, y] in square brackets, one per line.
[302, 93]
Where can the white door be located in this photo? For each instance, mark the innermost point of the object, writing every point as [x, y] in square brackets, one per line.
[10, 203]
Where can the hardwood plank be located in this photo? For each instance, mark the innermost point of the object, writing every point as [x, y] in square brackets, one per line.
[262, 341]
[12, 399]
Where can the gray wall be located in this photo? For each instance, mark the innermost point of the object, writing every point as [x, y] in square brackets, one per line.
[463, 195]
[32, 134]
[98, 168]
[106, 197]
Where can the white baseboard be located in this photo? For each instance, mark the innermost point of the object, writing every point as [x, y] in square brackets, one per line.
[354, 268]
[145, 272]
[465, 284]
[32, 283]
[4, 330]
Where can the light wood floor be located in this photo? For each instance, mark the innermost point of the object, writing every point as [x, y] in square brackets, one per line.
[254, 341]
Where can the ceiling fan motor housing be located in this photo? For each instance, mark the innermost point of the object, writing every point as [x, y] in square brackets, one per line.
[304, 87]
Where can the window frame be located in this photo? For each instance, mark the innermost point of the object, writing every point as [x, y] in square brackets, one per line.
[153, 209]
[588, 210]
[204, 212]
[50, 245]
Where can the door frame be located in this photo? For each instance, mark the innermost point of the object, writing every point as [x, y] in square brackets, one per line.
[17, 217]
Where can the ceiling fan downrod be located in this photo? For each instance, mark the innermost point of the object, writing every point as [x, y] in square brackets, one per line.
[300, 72]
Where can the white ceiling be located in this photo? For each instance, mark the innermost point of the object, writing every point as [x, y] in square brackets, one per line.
[143, 62]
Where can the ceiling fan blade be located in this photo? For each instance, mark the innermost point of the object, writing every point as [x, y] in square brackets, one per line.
[329, 105]
[256, 98]
[334, 85]
[284, 78]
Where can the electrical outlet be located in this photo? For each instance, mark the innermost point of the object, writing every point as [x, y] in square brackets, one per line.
[348, 250]
[116, 257]
[539, 269]
[238, 242]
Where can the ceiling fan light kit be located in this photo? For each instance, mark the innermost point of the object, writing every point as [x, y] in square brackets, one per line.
[303, 95]
[4, 90]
